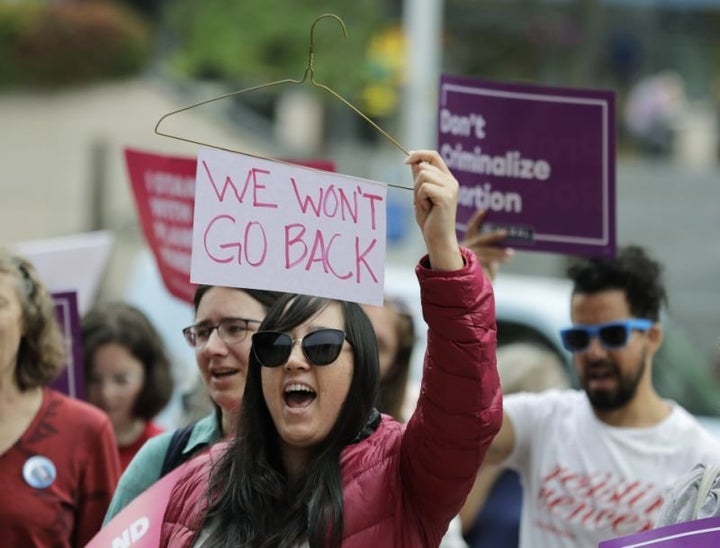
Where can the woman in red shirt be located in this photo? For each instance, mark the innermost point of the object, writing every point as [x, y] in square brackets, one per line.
[58, 459]
[127, 372]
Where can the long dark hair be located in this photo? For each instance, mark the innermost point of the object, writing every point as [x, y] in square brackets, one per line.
[252, 500]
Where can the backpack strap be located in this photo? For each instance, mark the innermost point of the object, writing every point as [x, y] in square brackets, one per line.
[174, 455]
[706, 483]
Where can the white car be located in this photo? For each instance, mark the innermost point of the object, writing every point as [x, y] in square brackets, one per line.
[529, 309]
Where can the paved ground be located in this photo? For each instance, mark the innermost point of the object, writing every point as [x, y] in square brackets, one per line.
[46, 146]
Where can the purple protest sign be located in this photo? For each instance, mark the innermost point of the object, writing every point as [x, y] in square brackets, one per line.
[541, 160]
[71, 380]
[701, 533]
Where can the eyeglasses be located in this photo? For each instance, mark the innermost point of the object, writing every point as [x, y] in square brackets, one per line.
[321, 347]
[230, 330]
[612, 335]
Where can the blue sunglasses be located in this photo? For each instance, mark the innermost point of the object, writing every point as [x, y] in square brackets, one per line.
[612, 335]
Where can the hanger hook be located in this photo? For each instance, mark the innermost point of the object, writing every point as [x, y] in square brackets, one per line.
[308, 70]
[311, 53]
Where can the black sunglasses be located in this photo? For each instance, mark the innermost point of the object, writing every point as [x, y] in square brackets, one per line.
[321, 347]
[611, 335]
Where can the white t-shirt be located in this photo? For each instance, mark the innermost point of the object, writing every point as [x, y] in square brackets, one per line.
[585, 481]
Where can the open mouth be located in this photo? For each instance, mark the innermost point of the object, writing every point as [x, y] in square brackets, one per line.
[601, 372]
[299, 395]
[220, 373]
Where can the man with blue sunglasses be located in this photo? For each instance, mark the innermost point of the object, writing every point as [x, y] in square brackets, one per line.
[595, 463]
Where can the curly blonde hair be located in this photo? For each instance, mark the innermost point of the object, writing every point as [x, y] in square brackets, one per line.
[42, 352]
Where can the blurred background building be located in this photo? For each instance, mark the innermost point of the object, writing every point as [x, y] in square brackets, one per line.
[82, 79]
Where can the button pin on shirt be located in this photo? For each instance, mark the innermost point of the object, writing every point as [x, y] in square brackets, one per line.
[39, 472]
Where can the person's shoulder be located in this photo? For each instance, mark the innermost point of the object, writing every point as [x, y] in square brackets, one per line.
[195, 473]
[152, 429]
[210, 456]
[154, 448]
[378, 446]
[77, 412]
[683, 420]
[537, 408]
[144, 470]
[389, 427]
[555, 397]
[206, 429]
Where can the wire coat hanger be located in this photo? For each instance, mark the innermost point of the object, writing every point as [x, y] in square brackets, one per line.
[309, 70]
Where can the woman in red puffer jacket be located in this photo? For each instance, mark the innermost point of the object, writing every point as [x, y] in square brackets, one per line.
[313, 463]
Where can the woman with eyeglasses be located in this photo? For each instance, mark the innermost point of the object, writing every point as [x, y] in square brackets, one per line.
[224, 319]
[58, 457]
[314, 463]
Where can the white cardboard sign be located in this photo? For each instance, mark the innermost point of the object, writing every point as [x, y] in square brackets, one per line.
[71, 263]
[270, 225]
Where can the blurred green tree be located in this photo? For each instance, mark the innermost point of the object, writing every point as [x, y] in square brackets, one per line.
[52, 44]
[255, 41]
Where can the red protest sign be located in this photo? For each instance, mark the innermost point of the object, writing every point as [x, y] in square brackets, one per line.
[164, 191]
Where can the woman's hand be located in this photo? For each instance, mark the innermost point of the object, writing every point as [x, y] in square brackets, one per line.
[435, 201]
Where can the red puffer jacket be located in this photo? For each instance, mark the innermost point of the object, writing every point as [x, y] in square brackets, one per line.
[404, 483]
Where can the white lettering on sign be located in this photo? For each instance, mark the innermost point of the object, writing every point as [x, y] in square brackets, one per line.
[132, 534]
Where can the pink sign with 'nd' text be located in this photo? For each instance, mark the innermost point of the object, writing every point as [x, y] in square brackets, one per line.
[139, 524]
[270, 225]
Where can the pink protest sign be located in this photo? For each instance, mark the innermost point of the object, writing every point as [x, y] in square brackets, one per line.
[139, 523]
[541, 160]
[164, 190]
[272, 225]
[701, 533]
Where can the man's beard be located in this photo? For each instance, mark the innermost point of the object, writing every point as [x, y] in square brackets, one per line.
[611, 400]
